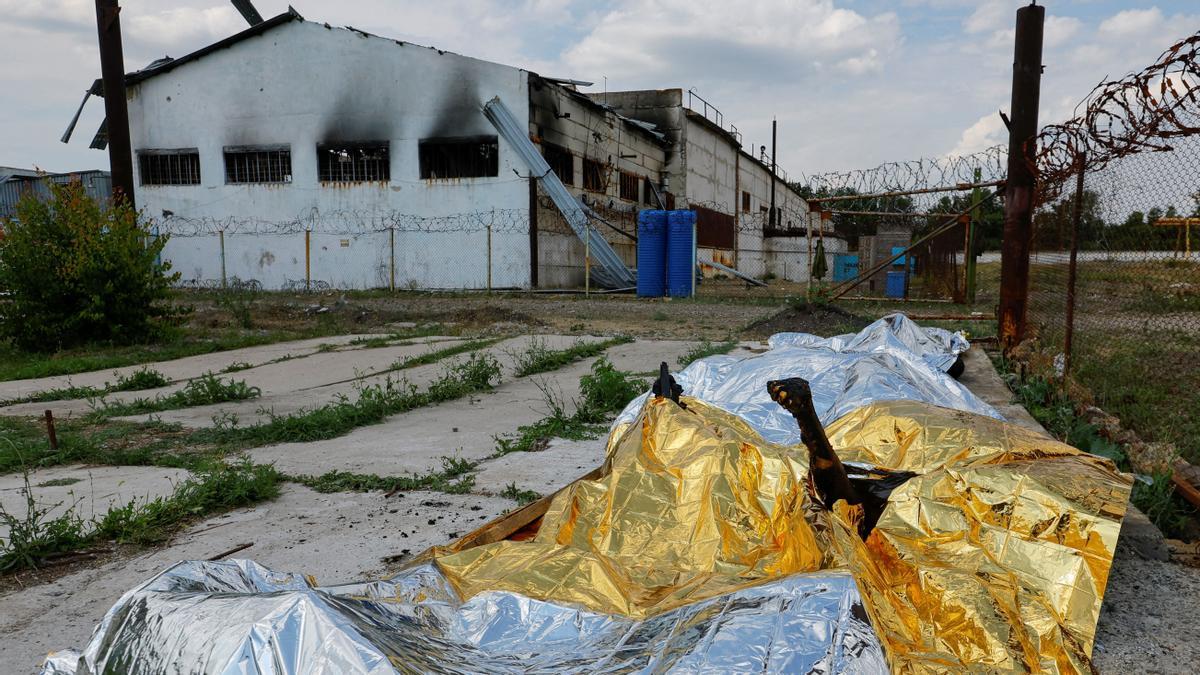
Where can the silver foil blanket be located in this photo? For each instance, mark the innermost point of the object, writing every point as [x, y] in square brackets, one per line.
[238, 617]
[892, 359]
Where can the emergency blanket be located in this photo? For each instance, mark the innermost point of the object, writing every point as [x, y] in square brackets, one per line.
[699, 548]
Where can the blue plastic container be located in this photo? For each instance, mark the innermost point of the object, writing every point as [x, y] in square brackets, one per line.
[652, 254]
[895, 285]
[845, 266]
[681, 253]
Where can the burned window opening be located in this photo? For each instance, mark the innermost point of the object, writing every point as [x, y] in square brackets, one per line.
[629, 186]
[745, 201]
[262, 164]
[354, 162]
[561, 161]
[465, 157]
[169, 167]
[648, 192]
[593, 175]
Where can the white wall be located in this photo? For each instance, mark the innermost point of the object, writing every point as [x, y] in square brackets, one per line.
[301, 84]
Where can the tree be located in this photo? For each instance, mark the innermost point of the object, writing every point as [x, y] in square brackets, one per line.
[78, 272]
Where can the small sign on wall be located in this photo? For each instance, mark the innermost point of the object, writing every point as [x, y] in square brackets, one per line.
[345, 243]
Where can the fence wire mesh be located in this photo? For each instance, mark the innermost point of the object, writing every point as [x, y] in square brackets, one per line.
[1128, 328]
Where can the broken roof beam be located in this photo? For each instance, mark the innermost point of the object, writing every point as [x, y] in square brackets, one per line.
[248, 12]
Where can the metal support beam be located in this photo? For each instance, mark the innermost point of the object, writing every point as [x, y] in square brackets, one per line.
[112, 71]
[1018, 196]
[904, 193]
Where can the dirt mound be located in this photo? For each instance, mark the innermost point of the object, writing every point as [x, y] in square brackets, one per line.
[822, 320]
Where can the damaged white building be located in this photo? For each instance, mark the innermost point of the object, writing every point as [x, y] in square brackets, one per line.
[298, 153]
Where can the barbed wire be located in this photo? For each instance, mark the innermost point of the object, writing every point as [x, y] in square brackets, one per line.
[914, 174]
[347, 222]
[1139, 113]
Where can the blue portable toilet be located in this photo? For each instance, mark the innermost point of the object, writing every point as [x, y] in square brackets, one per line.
[681, 253]
[652, 253]
[895, 284]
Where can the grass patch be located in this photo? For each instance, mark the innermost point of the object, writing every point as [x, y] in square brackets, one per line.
[479, 372]
[34, 538]
[537, 358]
[438, 355]
[203, 390]
[143, 378]
[1050, 406]
[117, 443]
[604, 392]
[705, 349]
[454, 478]
[522, 497]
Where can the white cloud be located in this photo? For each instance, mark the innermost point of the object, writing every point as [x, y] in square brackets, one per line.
[1059, 30]
[989, 16]
[987, 131]
[681, 39]
[1131, 22]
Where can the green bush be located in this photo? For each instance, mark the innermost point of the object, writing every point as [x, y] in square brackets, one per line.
[78, 272]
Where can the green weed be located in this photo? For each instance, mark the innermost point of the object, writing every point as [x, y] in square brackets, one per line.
[537, 358]
[453, 479]
[204, 390]
[478, 373]
[143, 378]
[705, 349]
[522, 497]
[215, 486]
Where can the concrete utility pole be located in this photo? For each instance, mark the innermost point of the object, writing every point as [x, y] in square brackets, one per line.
[1018, 196]
[112, 72]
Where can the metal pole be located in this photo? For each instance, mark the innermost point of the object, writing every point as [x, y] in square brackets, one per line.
[771, 214]
[1076, 215]
[1018, 198]
[587, 260]
[221, 233]
[972, 224]
[392, 263]
[307, 261]
[489, 251]
[808, 243]
[116, 111]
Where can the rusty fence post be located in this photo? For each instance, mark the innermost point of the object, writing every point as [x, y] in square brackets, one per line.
[392, 259]
[50, 434]
[307, 261]
[221, 236]
[1019, 192]
[1076, 215]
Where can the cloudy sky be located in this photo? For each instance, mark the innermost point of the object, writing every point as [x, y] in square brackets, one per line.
[853, 83]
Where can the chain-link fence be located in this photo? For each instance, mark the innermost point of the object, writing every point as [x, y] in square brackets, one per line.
[1115, 276]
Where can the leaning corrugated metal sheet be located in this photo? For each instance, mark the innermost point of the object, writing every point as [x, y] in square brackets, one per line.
[699, 547]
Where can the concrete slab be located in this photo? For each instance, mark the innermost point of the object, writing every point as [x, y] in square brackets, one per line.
[291, 400]
[415, 442]
[337, 538]
[307, 372]
[178, 369]
[91, 490]
[545, 471]
[980, 376]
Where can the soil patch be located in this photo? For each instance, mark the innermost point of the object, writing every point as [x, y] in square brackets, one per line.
[824, 320]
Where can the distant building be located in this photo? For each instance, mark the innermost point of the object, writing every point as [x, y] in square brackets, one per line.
[298, 151]
[15, 182]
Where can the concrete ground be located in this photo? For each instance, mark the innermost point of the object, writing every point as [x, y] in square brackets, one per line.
[181, 369]
[336, 537]
[1145, 625]
[90, 490]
